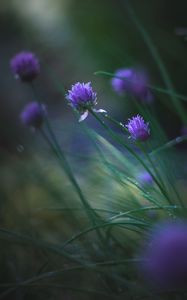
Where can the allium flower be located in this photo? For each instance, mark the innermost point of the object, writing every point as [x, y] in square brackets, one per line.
[33, 114]
[25, 66]
[135, 83]
[145, 178]
[165, 256]
[82, 98]
[138, 129]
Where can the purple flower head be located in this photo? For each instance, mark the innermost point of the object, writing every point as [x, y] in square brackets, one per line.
[121, 86]
[135, 83]
[33, 114]
[25, 66]
[165, 256]
[138, 129]
[82, 98]
[145, 178]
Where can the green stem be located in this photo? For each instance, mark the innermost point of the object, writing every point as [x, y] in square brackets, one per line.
[154, 52]
[169, 178]
[65, 166]
[118, 124]
[54, 145]
[119, 141]
[151, 164]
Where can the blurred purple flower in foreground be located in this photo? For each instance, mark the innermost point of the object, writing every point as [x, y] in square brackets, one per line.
[25, 66]
[165, 256]
[138, 129]
[135, 83]
[33, 114]
[82, 98]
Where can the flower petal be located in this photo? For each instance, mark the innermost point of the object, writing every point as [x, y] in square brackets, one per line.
[83, 116]
[99, 110]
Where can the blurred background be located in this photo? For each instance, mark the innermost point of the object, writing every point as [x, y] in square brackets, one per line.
[73, 39]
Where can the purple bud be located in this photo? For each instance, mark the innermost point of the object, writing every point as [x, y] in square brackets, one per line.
[138, 129]
[25, 66]
[33, 114]
[165, 256]
[135, 83]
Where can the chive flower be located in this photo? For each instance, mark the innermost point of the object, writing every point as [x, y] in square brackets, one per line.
[32, 115]
[25, 66]
[82, 98]
[132, 82]
[164, 262]
[138, 129]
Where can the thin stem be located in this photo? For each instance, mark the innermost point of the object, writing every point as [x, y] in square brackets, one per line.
[64, 164]
[155, 54]
[57, 150]
[115, 122]
[170, 144]
[151, 163]
[116, 138]
[158, 175]
[168, 178]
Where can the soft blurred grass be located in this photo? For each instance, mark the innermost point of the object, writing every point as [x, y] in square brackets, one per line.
[38, 217]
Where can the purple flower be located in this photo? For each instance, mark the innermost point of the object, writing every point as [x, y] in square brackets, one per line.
[145, 178]
[135, 83]
[33, 114]
[25, 66]
[165, 256]
[82, 98]
[119, 85]
[138, 129]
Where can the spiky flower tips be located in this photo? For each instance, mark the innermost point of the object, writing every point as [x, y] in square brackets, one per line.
[139, 130]
[82, 98]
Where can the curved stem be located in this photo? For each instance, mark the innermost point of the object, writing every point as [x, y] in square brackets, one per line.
[57, 150]
[119, 141]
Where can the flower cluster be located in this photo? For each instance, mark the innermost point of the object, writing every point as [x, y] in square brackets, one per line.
[165, 256]
[82, 98]
[133, 82]
[25, 66]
